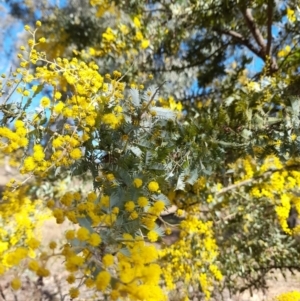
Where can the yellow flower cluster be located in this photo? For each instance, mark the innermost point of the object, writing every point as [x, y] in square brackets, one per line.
[20, 217]
[195, 250]
[171, 103]
[283, 212]
[138, 273]
[290, 296]
[104, 6]
[199, 185]
[36, 162]
[284, 52]
[112, 120]
[279, 187]
[290, 13]
[246, 167]
[113, 38]
[109, 36]
[137, 182]
[13, 140]
[81, 109]
[153, 186]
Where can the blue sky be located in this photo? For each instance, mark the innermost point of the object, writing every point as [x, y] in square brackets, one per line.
[9, 34]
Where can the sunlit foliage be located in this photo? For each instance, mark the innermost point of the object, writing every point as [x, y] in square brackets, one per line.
[227, 165]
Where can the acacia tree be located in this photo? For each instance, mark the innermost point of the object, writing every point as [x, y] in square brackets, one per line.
[227, 163]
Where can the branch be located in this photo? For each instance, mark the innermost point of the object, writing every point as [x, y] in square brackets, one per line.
[243, 41]
[266, 174]
[151, 99]
[191, 65]
[247, 182]
[196, 96]
[269, 26]
[264, 50]
[255, 31]
[274, 65]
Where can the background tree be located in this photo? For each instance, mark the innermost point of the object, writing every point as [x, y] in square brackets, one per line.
[192, 43]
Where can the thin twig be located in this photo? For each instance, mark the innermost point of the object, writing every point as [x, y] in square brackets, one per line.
[244, 41]
[151, 99]
[166, 223]
[254, 179]
[191, 65]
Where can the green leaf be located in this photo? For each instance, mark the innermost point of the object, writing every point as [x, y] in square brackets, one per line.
[163, 198]
[78, 245]
[86, 222]
[135, 97]
[193, 176]
[180, 182]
